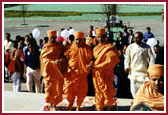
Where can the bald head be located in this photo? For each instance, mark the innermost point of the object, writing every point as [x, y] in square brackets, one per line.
[138, 38]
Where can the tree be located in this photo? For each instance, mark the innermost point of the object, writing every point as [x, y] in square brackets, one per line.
[23, 8]
[109, 9]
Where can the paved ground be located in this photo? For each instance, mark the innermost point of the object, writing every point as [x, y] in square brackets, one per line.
[15, 27]
[24, 101]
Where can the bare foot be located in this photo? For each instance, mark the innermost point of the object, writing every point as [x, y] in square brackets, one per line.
[78, 108]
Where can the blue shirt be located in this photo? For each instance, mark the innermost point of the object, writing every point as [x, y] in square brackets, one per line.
[32, 60]
[148, 35]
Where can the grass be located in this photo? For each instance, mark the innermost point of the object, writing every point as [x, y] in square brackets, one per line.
[140, 14]
[12, 14]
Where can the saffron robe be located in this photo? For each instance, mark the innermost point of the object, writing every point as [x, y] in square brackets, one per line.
[148, 96]
[106, 57]
[51, 72]
[76, 80]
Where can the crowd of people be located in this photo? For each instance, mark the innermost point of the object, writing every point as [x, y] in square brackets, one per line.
[79, 66]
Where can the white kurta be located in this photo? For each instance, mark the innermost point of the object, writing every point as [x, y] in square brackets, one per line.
[137, 59]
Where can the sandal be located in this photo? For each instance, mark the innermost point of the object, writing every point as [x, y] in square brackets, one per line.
[46, 107]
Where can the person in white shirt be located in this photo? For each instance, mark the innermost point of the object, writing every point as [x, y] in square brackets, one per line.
[7, 43]
[7, 47]
[138, 57]
[93, 32]
[131, 37]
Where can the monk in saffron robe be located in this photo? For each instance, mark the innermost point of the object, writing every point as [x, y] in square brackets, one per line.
[152, 91]
[91, 40]
[79, 55]
[106, 57]
[51, 59]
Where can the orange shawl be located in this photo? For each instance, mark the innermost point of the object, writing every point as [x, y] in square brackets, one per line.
[50, 52]
[106, 56]
[148, 96]
[79, 57]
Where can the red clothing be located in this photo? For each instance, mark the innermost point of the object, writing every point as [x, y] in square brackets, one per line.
[13, 58]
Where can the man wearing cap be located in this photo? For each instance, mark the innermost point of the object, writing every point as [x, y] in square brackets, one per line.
[79, 55]
[106, 57]
[51, 59]
[152, 91]
[137, 59]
